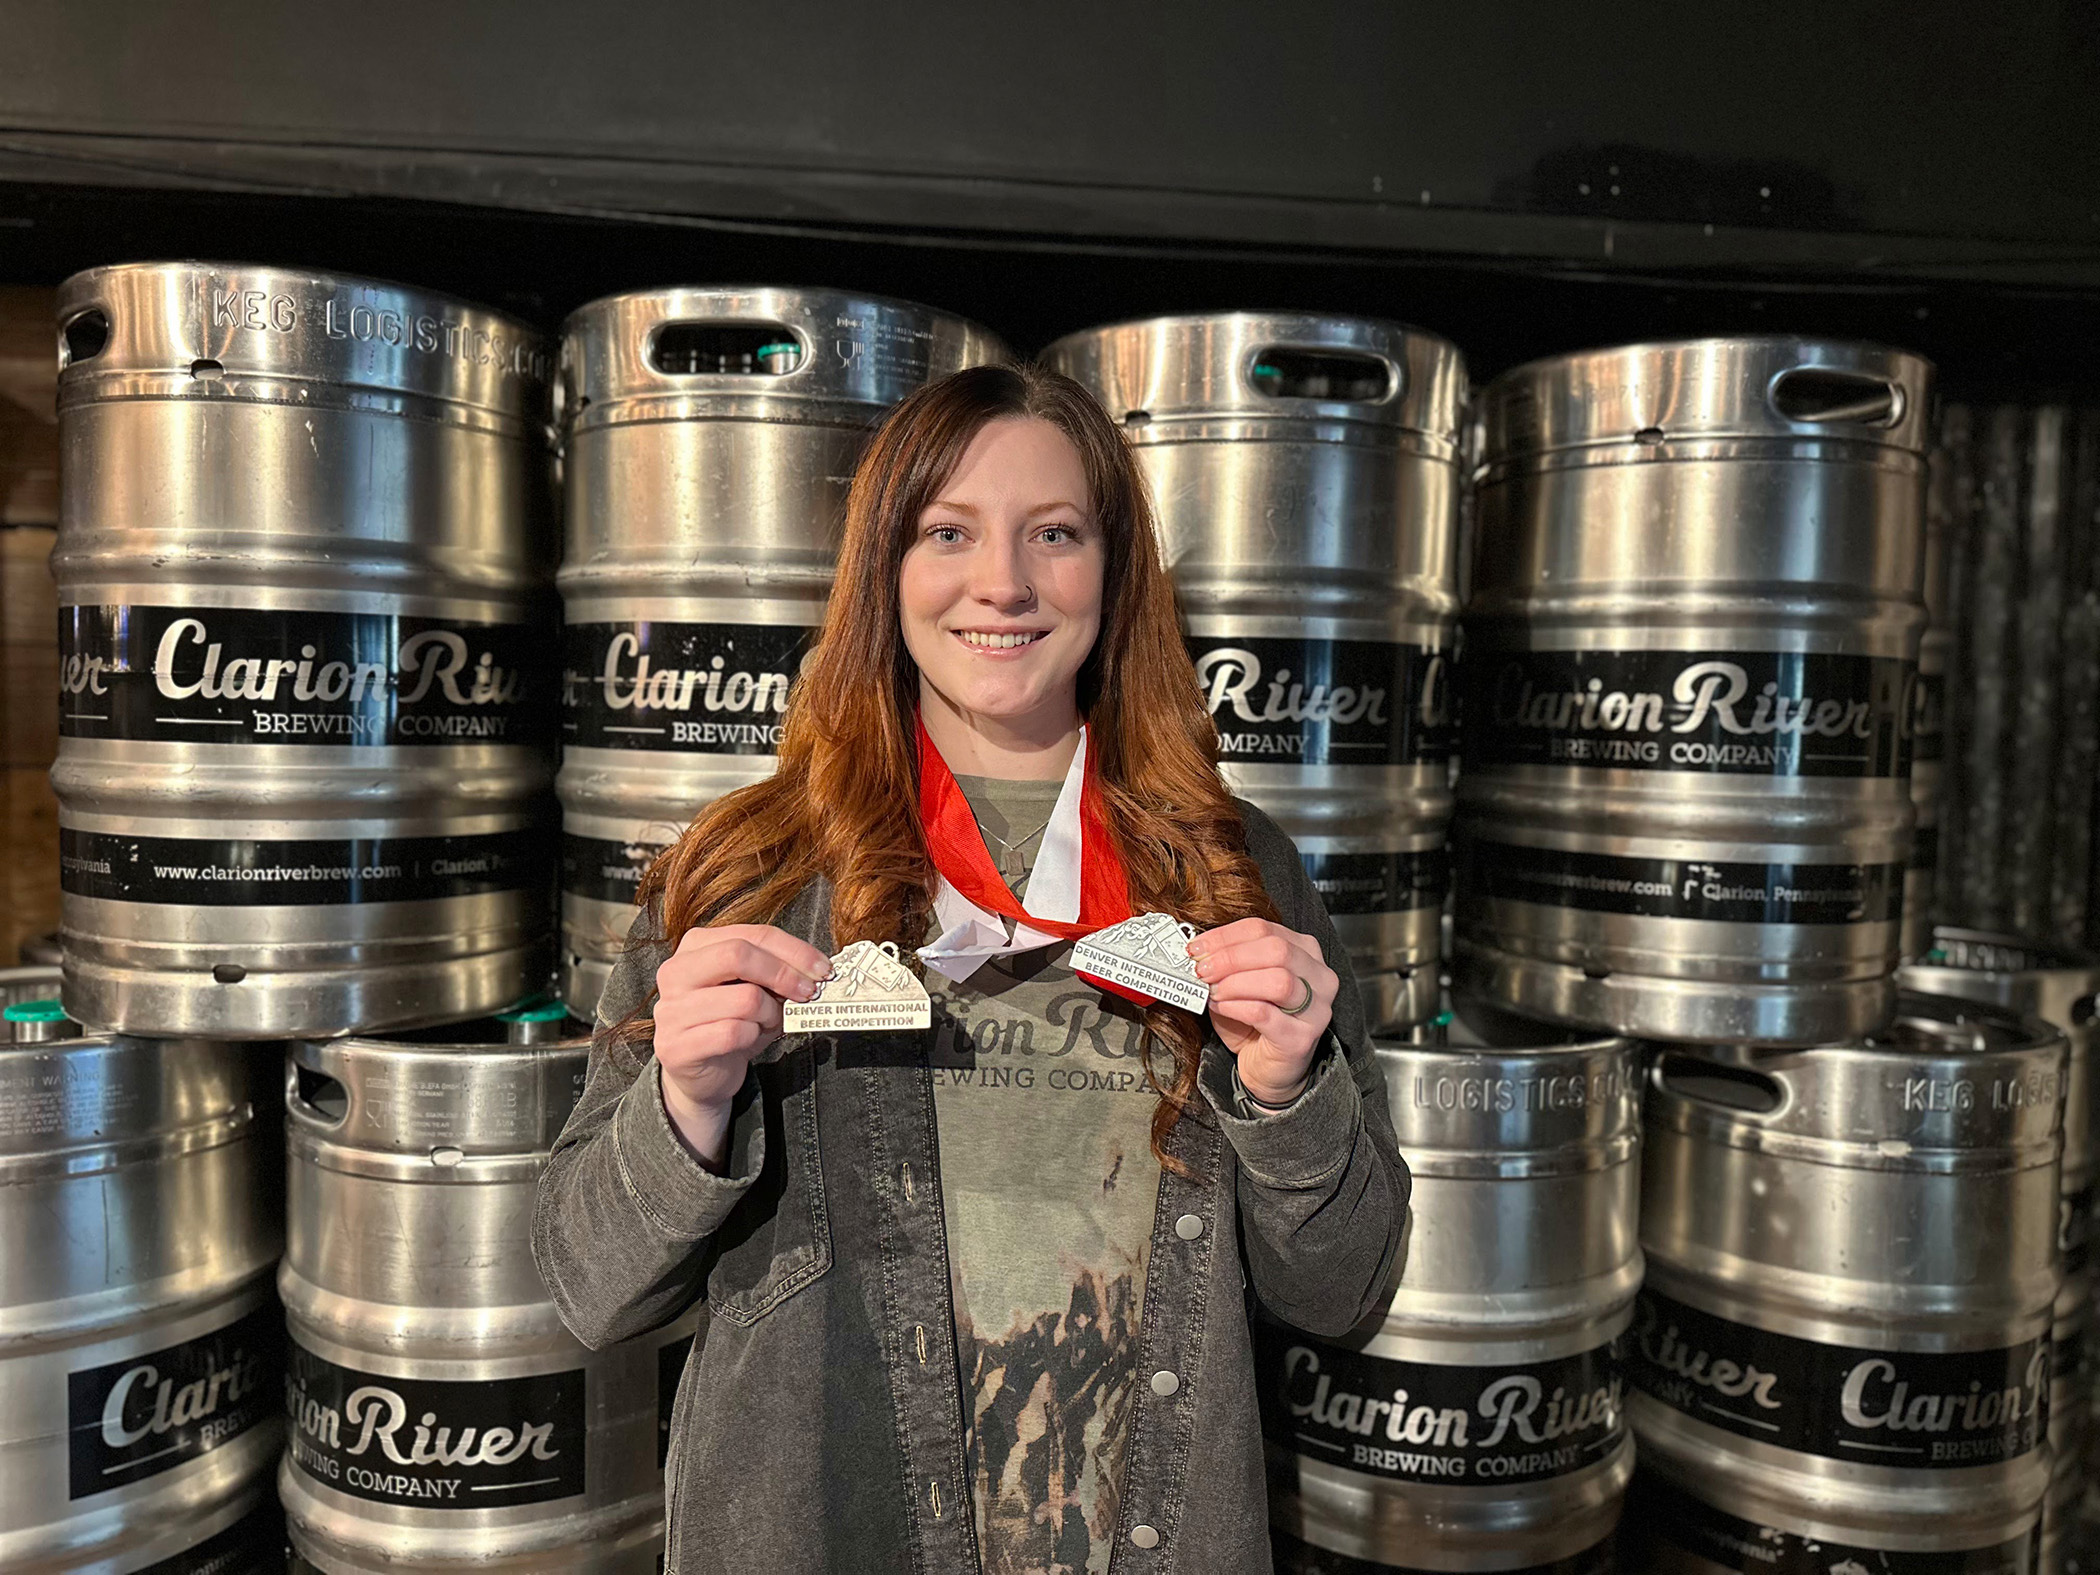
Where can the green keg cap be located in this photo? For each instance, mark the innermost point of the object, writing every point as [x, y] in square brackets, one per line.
[1443, 1020]
[535, 1012]
[35, 1012]
[1936, 955]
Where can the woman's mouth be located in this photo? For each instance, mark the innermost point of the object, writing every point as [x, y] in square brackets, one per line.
[994, 640]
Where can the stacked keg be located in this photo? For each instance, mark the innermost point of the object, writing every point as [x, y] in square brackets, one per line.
[140, 1343]
[710, 437]
[1478, 1422]
[2062, 988]
[441, 1416]
[1305, 473]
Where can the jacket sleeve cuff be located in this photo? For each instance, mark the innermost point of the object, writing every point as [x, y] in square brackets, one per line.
[1308, 1142]
[679, 1195]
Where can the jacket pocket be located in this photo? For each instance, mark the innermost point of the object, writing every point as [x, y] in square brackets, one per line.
[778, 1238]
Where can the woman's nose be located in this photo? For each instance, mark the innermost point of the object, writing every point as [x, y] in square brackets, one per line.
[1001, 577]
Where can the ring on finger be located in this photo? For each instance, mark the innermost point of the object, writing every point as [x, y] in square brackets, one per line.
[1293, 1011]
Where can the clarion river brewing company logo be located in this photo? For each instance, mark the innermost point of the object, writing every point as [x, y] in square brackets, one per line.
[1325, 702]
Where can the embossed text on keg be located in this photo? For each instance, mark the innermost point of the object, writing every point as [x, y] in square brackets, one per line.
[1433, 1422]
[1502, 1095]
[1325, 702]
[693, 688]
[147, 1414]
[436, 1443]
[1787, 713]
[257, 676]
[1916, 1409]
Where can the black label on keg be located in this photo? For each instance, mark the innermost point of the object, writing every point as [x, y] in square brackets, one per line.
[670, 1368]
[1928, 718]
[605, 871]
[255, 1544]
[2074, 1228]
[1325, 702]
[436, 1443]
[238, 872]
[1919, 1410]
[1380, 882]
[147, 1414]
[1293, 1557]
[235, 675]
[1925, 849]
[696, 688]
[1734, 713]
[1729, 892]
[1658, 1512]
[1425, 1422]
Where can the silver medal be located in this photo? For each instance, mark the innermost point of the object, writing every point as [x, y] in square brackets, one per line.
[869, 989]
[1150, 954]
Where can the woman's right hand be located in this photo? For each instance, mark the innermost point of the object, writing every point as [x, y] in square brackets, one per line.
[718, 1000]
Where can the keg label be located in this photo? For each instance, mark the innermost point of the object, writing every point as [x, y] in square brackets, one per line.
[1767, 714]
[1425, 1422]
[1925, 849]
[1658, 1510]
[144, 1415]
[1732, 893]
[436, 1443]
[1325, 702]
[237, 872]
[236, 675]
[1919, 1410]
[692, 688]
[605, 871]
[1379, 882]
[670, 1368]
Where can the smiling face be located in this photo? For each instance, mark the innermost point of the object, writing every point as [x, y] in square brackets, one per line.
[1000, 592]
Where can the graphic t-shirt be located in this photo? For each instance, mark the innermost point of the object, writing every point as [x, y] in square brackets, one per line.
[1045, 1121]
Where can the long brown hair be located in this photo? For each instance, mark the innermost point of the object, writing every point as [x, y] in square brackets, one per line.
[844, 802]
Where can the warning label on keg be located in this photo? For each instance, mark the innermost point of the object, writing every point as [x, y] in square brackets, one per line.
[239, 872]
[1380, 882]
[1921, 1410]
[1771, 714]
[436, 1443]
[148, 1414]
[1717, 889]
[696, 688]
[1656, 1510]
[1325, 702]
[1425, 1422]
[670, 1368]
[232, 675]
[605, 871]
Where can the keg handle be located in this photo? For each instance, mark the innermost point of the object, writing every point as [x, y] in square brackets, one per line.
[314, 1093]
[1740, 1090]
[83, 336]
[725, 347]
[1820, 395]
[1331, 374]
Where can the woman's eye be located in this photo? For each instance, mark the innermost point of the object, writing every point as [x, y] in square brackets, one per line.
[948, 535]
[1056, 534]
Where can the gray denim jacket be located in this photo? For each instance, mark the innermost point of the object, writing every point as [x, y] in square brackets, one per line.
[819, 1427]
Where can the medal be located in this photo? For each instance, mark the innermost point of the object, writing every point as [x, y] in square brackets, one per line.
[869, 989]
[1146, 957]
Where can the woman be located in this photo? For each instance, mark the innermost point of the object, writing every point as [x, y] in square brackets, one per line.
[978, 1293]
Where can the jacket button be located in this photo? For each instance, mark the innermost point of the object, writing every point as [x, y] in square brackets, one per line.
[1143, 1537]
[1188, 1227]
[1165, 1383]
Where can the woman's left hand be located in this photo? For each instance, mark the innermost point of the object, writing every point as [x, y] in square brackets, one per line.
[1256, 971]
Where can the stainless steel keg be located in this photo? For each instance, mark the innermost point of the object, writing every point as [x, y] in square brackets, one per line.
[1305, 470]
[1478, 1422]
[140, 1342]
[710, 437]
[1844, 1335]
[1690, 648]
[306, 689]
[41, 951]
[2062, 988]
[441, 1417]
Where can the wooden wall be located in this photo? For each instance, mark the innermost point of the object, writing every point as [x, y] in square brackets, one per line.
[28, 614]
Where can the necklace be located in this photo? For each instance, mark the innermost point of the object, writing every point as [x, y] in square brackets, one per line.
[1011, 866]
